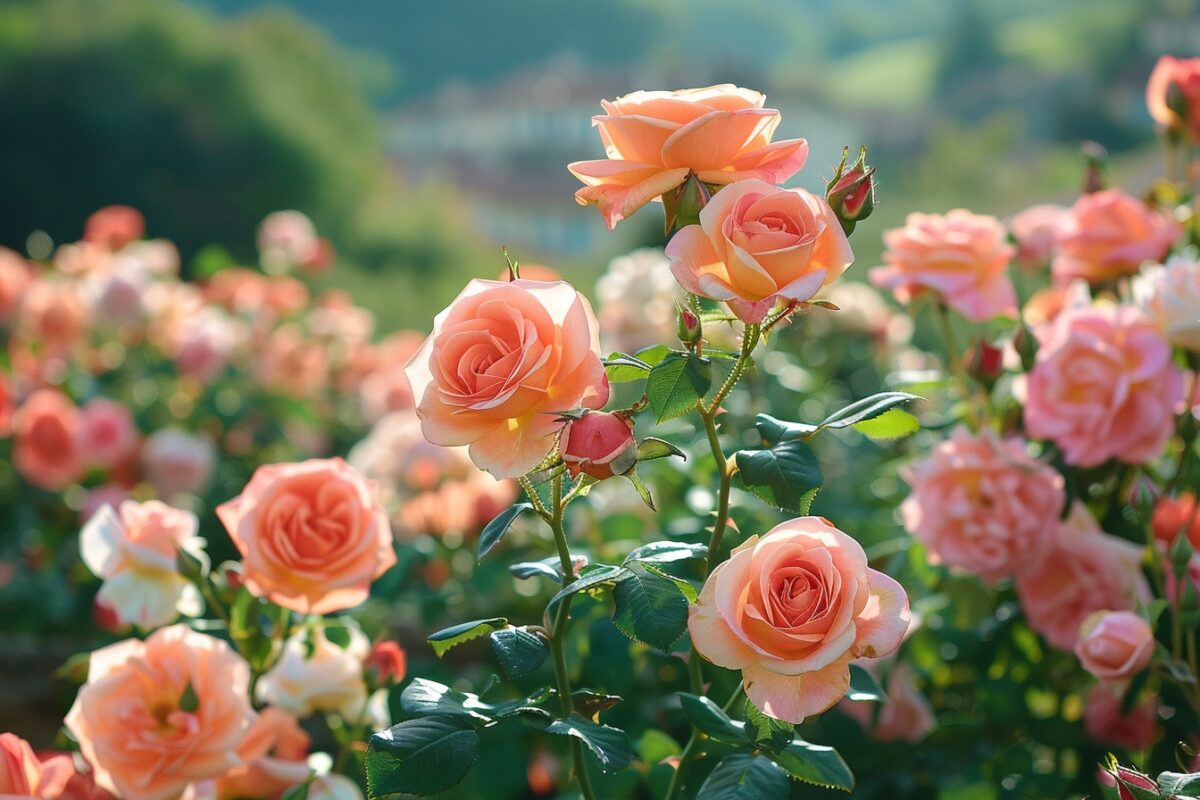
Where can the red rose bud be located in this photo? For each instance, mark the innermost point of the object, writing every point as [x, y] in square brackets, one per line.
[688, 326]
[105, 618]
[386, 665]
[986, 362]
[1127, 778]
[851, 192]
[600, 444]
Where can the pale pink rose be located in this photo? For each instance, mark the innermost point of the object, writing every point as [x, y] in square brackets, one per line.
[1110, 234]
[1104, 723]
[1115, 645]
[109, 433]
[386, 388]
[313, 535]
[961, 257]
[652, 140]
[114, 226]
[1085, 570]
[599, 444]
[134, 551]
[203, 343]
[326, 678]
[1037, 230]
[904, 716]
[1170, 296]
[636, 301]
[52, 315]
[15, 276]
[982, 504]
[157, 715]
[47, 440]
[153, 257]
[757, 245]
[1103, 386]
[503, 360]
[176, 461]
[273, 753]
[287, 239]
[791, 609]
[292, 364]
[23, 775]
[1179, 77]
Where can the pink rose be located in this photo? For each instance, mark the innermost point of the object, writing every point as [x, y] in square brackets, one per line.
[1109, 234]
[961, 257]
[7, 405]
[1104, 723]
[1103, 386]
[1115, 645]
[503, 360]
[1037, 230]
[905, 716]
[1174, 80]
[1085, 570]
[1175, 515]
[313, 535]
[982, 504]
[652, 140]
[176, 461]
[52, 316]
[114, 226]
[109, 432]
[273, 754]
[599, 444]
[287, 239]
[292, 364]
[757, 244]
[157, 715]
[23, 775]
[15, 275]
[47, 433]
[791, 609]
[386, 388]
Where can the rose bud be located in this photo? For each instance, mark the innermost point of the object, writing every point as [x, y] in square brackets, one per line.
[986, 362]
[688, 327]
[600, 444]
[1115, 645]
[1126, 778]
[851, 192]
[386, 665]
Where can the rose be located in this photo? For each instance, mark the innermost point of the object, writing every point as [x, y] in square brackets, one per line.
[327, 678]
[1170, 296]
[1175, 515]
[114, 226]
[1037, 230]
[599, 444]
[982, 504]
[961, 257]
[1106, 722]
[502, 360]
[1173, 95]
[906, 715]
[1102, 386]
[273, 753]
[653, 140]
[757, 244]
[386, 664]
[292, 363]
[52, 315]
[1084, 570]
[636, 299]
[1109, 234]
[176, 461]
[1123, 778]
[47, 433]
[109, 434]
[287, 239]
[313, 535]
[23, 775]
[134, 551]
[791, 609]
[15, 276]
[157, 715]
[1115, 645]
[386, 388]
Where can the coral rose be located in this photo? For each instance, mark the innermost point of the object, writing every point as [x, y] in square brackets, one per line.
[502, 361]
[1173, 95]
[1170, 296]
[313, 535]
[134, 551]
[1105, 722]
[114, 226]
[1037, 230]
[273, 753]
[1102, 386]
[791, 609]
[961, 257]
[109, 434]
[982, 504]
[1175, 515]
[327, 678]
[1115, 645]
[1109, 234]
[652, 140]
[47, 433]
[1085, 570]
[757, 244]
[23, 775]
[157, 715]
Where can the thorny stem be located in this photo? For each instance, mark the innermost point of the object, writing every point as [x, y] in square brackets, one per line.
[749, 340]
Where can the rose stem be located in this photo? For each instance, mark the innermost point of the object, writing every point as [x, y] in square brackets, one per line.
[956, 363]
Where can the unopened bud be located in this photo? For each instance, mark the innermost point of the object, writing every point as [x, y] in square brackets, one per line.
[986, 363]
[386, 665]
[851, 190]
[1026, 345]
[688, 326]
[599, 444]
[682, 206]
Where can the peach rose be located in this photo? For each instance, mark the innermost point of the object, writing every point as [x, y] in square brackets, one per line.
[176, 461]
[502, 361]
[1170, 296]
[47, 433]
[327, 678]
[791, 609]
[15, 276]
[313, 535]
[81, 779]
[292, 363]
[52, 315]
[157, 715]
[757, 244]
[273, 754]
[134, 551]
[1104, 722]
[1085, 570]
[1115, 645]
[1109, 234]
[652, 140]
[114, 226]
[905, 716]
[982, 504]
[1037, 230]
[1174, 80]
[109, 433]
[1102, 386]
[386, 388]
[961, 257]
[23, 775]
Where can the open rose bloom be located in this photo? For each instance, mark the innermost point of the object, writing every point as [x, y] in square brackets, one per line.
[791, 609]
[1109, 234]
[1181, 77]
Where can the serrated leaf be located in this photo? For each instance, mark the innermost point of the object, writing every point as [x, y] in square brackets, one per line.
[675, 384]
[786, 476]
[455, 635]
[685, 587]
[593, 578]
[650, 608]
[654, 354]
[652, 447]
[494, 531]
[420, 757]
[518, 650]
[709, 719]
[863, 686]
[622, 368]
[895, 423]
[743, 776]
[665, 552]
[865, 409]
[765, 731]
[816, 764]
[425, 698]
[610, 746]
[773, 431]
[1185, 783]
[641, 488]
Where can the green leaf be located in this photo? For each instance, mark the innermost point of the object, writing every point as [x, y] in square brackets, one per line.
[545, 568]
[610, 746]
[1179, 783]
[676, 384]
[518, 650]
[649, 608]
[494, 531]
[425, 698]
[455, 635]
[622, 368]
[709, 719]
[589, 704]
[420, 757]
[895, 423]
[665, 552]
[593, 578]
[685, 587]
[652, 447]
[655, 353]
[656, 746]
[865, 409]
[641, 488]
[742, 776]
[816, 764]
[765, 731]
[787, 476]
[863, 686]
[773, 431]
